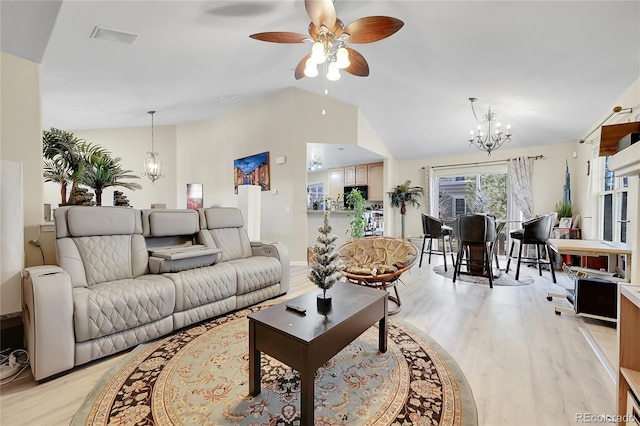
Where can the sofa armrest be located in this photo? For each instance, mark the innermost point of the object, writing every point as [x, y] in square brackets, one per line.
[47, 305]
[280, 252]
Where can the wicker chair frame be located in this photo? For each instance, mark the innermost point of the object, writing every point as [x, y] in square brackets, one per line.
[386, 280]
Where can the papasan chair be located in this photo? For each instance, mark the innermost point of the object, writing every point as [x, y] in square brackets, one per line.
[378, 262]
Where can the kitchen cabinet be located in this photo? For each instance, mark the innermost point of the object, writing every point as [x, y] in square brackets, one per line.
[375, 181]
[350, 176]
[362, 174]
[336, 182]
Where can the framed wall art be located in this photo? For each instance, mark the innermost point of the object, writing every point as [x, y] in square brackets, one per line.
[194, 196]
[252, 170]
[565, 222]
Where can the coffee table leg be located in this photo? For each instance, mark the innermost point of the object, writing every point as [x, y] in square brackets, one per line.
[254, 362]
[306, 397]
[382, 330]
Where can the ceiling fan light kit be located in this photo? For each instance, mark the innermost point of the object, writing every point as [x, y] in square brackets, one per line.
[329, 37]
[490, 135]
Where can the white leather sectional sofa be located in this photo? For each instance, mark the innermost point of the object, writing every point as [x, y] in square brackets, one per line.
[126, 276]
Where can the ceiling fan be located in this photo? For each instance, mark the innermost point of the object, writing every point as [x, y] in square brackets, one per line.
[329, 37]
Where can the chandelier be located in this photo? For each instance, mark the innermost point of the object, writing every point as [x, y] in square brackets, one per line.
[490, 135]
[330, 51]
[152, 166]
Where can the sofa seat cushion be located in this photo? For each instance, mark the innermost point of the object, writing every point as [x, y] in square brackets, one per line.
[256, 272]
[116, 306]
[197, 287]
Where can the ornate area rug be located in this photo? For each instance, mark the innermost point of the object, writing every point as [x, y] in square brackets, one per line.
[503, 279]
[199, 376]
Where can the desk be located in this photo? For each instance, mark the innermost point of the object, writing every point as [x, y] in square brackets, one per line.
[594, 248]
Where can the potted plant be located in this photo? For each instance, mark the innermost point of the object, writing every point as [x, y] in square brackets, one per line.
[563, 208]
[326, 267]
[405, 194]
[356, 203]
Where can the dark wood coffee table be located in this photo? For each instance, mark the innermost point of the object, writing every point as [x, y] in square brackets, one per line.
[305, 342]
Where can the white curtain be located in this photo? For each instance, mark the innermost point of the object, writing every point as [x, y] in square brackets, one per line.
[519, 175]
[427, 189]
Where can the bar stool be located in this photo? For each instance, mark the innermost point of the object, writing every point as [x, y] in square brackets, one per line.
[476, 236]
[535, 231]
[435, 228]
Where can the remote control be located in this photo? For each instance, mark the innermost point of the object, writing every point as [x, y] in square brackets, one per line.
[296, 308]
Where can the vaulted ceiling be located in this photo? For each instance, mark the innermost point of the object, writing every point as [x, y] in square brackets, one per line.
[549, 68]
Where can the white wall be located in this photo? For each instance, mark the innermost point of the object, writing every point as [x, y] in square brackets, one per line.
[589, 188]
[21, 141]
[369, 139]
[283, 125]
[131, 146]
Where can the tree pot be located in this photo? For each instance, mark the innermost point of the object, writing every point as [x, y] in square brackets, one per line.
[323, 303]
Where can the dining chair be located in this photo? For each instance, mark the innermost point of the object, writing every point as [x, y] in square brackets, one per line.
[435, 228]
[533, 232]
[476, 235]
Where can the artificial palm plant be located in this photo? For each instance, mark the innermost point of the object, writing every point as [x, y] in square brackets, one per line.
[405, 194]
[62, 160]
[102, 171]
[70, 160]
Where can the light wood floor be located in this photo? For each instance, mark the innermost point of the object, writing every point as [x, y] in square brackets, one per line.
[525, 365]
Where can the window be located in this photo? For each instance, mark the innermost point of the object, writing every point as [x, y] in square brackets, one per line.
[613, 206]
[315, 196]
[466, 193]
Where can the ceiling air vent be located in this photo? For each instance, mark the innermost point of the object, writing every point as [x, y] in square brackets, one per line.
[113, 35]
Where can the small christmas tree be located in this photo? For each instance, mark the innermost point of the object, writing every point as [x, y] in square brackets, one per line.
[327, 267]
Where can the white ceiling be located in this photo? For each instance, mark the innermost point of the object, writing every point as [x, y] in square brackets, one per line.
[549, 68]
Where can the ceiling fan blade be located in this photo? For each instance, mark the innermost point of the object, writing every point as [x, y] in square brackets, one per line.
[372, 28]
[321, 12]
[359, 65]
[299, 73]
[280, 37]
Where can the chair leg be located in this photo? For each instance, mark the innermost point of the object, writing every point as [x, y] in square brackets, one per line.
[519, 258]
[538, 260]
[430, 249]
[487, 262]
[424, 241]
[553, 272]
[451, 253]
[513, 243]
[444, 253]
[456, 267]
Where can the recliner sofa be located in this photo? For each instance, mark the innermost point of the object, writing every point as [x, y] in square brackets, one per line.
[126, 276]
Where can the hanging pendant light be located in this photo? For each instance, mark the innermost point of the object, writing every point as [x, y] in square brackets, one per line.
[152, 166]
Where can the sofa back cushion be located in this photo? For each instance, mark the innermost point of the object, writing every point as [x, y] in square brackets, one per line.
[223, 227]
[99, 244]
[168, 223]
